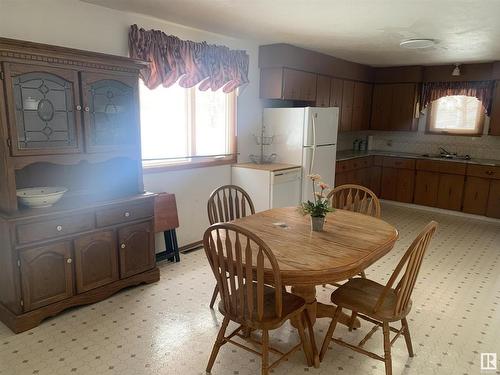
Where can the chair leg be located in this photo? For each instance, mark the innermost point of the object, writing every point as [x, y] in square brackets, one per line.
[353, 320]
[362, 274]
[406, 333]
[306, 345]
[265, 352]
[218, 343]
[387, 349]
[310, 329]
[329, 334]
[214, 296]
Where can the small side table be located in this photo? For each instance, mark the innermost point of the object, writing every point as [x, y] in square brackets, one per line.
[166, 221]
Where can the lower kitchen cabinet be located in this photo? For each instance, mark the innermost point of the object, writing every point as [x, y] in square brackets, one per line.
[494, 200]
[397, 184]
[389, 184]
[96, 260]
[450, 193]
[137, 252]
[46, 275]
[476, 195]
[375, 179]
[426, 188]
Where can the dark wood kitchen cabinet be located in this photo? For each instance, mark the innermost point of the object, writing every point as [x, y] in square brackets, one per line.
[69, 118]
[136, 249]
[426, 188]
[336, 89]
[287, 84]
[394, 106]
[96, 260]
[347, 106]
[398, 179]
[361, 106]
[495, 111]
[46, 275]
[476, 195]
[323, 91]
[493, 209]
[450, 193]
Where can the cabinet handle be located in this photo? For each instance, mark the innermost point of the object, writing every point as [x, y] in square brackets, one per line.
[489, 173]
[69, 260]
[59, 228]
[78, 107]
[123, 246]
[126, 214]
[86, 109]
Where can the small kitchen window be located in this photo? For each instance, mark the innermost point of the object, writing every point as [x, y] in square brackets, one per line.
[186, 127]
[457, 115]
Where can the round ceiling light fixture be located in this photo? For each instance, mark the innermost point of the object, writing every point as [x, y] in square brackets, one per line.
[417, 43]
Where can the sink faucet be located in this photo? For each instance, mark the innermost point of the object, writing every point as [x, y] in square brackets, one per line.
[444, 151]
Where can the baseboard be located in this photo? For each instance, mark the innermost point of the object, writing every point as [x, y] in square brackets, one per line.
[441, 211]
[190, 247]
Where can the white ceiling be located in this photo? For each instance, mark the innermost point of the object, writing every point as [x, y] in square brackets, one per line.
[364, 31]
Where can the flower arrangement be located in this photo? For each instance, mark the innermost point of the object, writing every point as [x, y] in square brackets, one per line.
[320, 206]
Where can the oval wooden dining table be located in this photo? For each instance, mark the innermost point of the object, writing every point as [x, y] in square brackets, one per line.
[349, 243]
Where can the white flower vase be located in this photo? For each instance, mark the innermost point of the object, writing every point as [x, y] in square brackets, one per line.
[317, 223]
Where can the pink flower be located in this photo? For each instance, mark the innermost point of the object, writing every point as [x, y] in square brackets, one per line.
[323, 186]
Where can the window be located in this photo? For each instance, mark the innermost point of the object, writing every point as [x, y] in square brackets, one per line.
[186, 126]
[456, 114]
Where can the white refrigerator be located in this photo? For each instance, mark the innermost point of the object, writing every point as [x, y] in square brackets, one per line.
[305, 136]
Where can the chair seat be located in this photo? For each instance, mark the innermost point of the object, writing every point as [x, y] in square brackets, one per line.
[292, 304]
[361, 295]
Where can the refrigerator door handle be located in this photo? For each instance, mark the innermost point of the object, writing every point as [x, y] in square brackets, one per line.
[314, 115]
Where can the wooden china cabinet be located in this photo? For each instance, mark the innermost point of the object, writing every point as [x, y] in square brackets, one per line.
[70, 118]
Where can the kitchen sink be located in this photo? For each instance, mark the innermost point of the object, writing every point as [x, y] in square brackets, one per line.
[447, 156]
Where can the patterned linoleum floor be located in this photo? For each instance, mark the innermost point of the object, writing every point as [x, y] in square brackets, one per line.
[167, 327]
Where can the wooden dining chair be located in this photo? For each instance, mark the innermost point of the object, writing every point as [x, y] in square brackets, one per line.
[226, 203]
[251, 297]
[355, 198]
[381, 304]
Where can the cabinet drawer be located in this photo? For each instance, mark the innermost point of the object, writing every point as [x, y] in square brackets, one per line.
[378, 160]
[448, 167]
[362, 162]
[124, 213]
[484, 171]
[400, 163]
[53, 228]
[344, 166]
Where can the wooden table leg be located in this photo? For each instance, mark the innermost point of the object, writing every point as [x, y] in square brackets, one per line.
[327, 311]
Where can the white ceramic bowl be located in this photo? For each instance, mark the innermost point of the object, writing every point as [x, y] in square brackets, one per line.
[40, 196]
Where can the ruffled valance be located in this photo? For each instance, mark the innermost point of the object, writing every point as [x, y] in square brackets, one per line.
[172, 59]
[482, 90]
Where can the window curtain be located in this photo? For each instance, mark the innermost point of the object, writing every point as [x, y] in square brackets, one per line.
[482, 90]
[190, 63]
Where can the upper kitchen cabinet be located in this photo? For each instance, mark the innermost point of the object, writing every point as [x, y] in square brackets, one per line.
[347, 104]
[361, 106]
[336, 88]
[43, 106]
[323, 86]
[394, 106]
[495, 111]
[287, 84]
[111, 113]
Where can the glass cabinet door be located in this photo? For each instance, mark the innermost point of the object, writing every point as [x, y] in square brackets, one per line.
[43, 116]
[111, 112]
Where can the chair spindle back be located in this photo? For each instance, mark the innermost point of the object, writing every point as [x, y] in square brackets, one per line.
[355, 198]
[413, 260]
[229, 202]
[238, 258]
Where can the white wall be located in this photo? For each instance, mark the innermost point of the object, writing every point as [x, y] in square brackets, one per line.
[75, 24]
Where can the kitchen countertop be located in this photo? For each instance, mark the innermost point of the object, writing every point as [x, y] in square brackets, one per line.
[349, 154]
[271, 167]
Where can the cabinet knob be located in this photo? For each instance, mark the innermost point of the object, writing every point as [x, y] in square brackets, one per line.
[78, 107]
[123, 246]
[489, 173]
[86, 109]
[59, 228]
[69, 260]
[126, 214]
